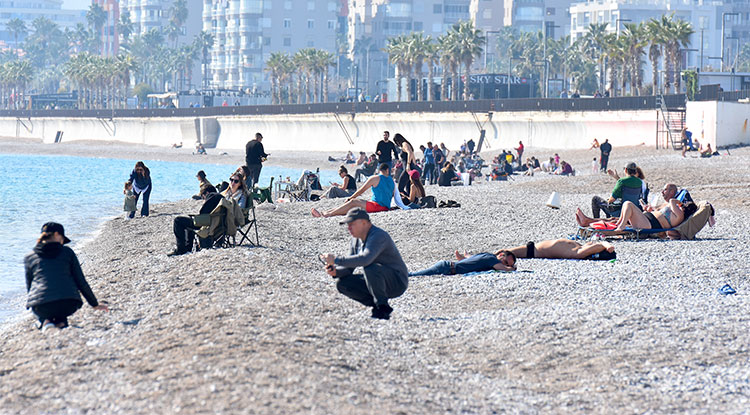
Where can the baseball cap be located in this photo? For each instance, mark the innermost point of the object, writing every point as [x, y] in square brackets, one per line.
[52, 227]
[354, 214]
[630, 166]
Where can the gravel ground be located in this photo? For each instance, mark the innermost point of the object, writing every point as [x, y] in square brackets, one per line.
[263, 330]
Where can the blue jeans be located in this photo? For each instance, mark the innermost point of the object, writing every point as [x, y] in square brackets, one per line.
[429, 173]
[144, 208]
[440, 268]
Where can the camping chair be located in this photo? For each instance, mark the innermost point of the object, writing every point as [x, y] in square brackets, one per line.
[262, 194]
[213, 229]
[629, 194]
[246, 230]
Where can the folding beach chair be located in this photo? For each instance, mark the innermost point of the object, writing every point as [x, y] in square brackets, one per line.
[263, 194]
[212, 232]
[250, 225]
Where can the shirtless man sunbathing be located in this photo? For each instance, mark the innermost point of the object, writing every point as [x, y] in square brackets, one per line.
[565, 249]
[505, 260]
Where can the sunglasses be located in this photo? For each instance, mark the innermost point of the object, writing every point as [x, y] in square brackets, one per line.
[234, 180]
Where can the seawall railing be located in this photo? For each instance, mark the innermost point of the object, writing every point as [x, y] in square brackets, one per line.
[478, 106]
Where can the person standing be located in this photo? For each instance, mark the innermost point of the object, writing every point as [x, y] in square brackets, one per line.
[54, 279]
[385, 274]
[429, 163]
[254, 158]
[605, 148]
[384, 150]
[439, 162]
[141, 179]
[520, 149]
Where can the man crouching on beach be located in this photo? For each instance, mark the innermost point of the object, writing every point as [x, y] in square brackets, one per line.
[385, 274]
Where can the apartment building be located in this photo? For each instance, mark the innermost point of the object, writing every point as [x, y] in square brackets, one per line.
[705, 18]
[110, 34]
[28, 10]
[155, 14]
[248, 31]
[536, 15]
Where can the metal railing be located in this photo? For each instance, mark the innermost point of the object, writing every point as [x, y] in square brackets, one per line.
[499, 105]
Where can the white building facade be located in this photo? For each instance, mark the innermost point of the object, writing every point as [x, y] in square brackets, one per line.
[28, 10]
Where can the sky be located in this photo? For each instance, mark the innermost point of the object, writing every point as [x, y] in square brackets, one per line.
[76, 4]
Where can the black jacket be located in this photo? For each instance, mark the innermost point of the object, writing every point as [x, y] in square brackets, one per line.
[53, 273]
[254, 152]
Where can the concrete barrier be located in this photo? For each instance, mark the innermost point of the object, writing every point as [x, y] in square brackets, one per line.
[356, 132]
[719, 123]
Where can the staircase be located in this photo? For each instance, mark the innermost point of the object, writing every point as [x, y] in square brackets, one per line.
[669, 125]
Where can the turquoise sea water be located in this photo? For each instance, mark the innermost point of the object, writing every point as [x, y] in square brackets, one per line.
[81, 193]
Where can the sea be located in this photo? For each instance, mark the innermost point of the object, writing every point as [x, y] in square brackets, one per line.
[82, 193]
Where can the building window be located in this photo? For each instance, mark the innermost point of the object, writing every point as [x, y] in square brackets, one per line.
[287, 41]
[266, 41]
[437, 8]
[287, 23]
[310, 24]
[331, 24]
[551, 11]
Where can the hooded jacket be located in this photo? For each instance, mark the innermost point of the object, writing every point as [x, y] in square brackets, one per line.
[53, 273]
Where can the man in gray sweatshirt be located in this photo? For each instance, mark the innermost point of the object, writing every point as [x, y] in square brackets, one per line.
[385, 274]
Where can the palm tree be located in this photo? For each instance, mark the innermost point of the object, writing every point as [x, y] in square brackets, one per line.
[593, 45]
[397, 50]
[275, 65]
[125, 65]
[469, 42]
[96, 17]
[178, 15]
[634, 41]
[17, 28]
[656, 36]
[432, 57]
[679, 38]
[325, 60]
[418, 47]
[616, 59]
[446, 45]
[205, 42]
[125, 26]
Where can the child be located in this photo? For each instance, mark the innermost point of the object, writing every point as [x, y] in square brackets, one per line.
[129, 199]
[594, 166]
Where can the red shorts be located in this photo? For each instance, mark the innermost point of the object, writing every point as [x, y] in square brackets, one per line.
[373, 207]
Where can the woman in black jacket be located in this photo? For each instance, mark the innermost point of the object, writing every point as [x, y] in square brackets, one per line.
[141, 179]
[54, 278]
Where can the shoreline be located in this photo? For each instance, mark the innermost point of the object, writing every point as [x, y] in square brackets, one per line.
[263, 330]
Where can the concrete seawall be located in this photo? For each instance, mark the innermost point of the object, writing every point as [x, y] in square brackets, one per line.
[360, 131]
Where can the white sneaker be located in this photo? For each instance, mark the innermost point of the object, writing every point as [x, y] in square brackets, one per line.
[48, 326]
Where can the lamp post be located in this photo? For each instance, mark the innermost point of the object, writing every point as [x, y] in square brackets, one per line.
[732, 56]
[356, 82]
[701, 63]
[723, 28]
[617, 25]
[510, 65]
[547, 25]
[487, 45]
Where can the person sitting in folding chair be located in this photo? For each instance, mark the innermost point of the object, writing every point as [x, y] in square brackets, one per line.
[629, 188]
[668, 192]
[184, 227]
[668, 217]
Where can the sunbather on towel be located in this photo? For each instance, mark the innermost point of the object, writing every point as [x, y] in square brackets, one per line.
[502, 261]
[565, 249]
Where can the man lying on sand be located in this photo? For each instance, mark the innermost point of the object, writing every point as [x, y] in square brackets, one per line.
[505, 260]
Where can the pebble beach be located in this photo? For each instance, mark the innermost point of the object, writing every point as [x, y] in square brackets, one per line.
[262, 330]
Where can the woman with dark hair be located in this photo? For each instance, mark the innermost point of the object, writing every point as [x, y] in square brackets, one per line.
[236, 190]
[408, 160]
[345, 189]
[54, 279]
[416, 191]
[141, 179]
[447, 175]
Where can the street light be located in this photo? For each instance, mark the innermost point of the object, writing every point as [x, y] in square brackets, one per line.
[547, 25]
[617, 24]
[723, 28]
[738, 48]
[487, 46]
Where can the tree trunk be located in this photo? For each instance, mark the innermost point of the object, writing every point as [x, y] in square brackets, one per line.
[455, 84]
[444, 85]
[467, 94]
[325, 86]
[398, 84]
[430, 80]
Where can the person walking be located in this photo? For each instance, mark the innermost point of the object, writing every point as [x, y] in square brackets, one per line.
[429, 163]
[54, 279]
[141, 179]
[605, 148]
[384, 150]
[255, 155]
[385, 274]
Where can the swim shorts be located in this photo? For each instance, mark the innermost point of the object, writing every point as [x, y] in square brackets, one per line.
[602, 256]
[530, 249]
[372, 207]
